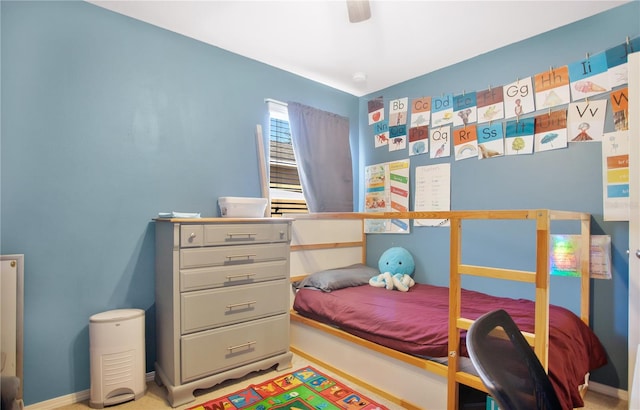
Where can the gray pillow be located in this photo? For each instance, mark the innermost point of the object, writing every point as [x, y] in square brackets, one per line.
[338, 278]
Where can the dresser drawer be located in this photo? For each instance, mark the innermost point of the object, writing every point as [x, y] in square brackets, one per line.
[192, 235]
[205, 309]
[232, 255]
[213, 351]
[219, 276]
[245, 233]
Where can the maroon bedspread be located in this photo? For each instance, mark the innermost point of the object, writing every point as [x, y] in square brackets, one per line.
[415, 322]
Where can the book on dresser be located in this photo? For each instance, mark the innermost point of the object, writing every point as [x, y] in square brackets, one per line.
[222, 301]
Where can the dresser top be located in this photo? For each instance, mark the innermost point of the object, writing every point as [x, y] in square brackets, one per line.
[223, 220]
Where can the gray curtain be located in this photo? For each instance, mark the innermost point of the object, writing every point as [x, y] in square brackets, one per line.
[323, 153]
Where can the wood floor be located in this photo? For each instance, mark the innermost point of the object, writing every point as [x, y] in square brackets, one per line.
[155, 397]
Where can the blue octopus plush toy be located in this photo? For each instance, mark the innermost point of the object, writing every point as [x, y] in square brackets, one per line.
[397, 267]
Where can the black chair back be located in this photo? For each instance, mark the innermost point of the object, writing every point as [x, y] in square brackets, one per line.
[508, 366]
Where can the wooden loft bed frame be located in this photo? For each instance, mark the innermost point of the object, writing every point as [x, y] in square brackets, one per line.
[318, 243]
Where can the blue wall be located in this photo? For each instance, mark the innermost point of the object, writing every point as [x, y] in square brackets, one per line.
[567, 179]
[107, 121]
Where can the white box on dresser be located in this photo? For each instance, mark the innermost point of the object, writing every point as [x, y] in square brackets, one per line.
[222, 301]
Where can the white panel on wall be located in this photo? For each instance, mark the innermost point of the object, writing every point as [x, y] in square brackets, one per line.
[12, 316]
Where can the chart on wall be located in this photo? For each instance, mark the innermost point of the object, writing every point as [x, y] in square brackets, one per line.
[615, 176]
[432, 192]
[387, 190]
[564, 256]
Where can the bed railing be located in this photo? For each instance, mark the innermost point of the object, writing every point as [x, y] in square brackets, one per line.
[540, 278]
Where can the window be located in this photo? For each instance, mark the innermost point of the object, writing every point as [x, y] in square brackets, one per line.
[284, 182]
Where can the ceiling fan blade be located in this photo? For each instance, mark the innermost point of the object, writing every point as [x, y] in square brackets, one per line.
[359, 10]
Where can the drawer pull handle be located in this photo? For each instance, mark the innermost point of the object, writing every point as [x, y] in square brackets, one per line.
[242, 275]
[247, 234]
[235, 305]
[247, 256]
[248, 344]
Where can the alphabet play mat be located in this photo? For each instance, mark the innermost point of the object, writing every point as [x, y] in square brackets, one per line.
[303, 389]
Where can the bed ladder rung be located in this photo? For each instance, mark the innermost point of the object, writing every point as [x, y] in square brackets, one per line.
[470, 380]
[498, 273]
[465, 324]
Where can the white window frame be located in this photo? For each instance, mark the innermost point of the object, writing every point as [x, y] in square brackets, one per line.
[283, 201]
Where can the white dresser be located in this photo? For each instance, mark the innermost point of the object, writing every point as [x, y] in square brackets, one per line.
[222, 301]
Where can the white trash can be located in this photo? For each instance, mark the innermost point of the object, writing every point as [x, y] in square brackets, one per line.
[116, 340]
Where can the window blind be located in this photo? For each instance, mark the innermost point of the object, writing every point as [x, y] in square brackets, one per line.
[284, 181]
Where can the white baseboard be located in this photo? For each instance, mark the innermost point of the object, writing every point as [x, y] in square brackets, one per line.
[85, 394]
[71, 398]
[609, 391]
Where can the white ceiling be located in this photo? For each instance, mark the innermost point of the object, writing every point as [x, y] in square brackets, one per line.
[402, 39]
